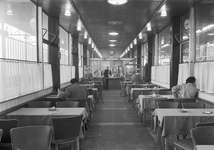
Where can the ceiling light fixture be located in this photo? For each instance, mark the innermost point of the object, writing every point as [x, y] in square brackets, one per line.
[163, 13]
[112, 45]
[89, 41]
[67, 12]
[114, 22]
[131, 46]
[85, 35]
[113, 33]
[117, 2]
[135, 41]
[140, 35]
[113, 40]
[149, 27]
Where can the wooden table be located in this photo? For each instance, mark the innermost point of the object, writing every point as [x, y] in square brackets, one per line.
[174, 122]
[148, 102]
[42, 116]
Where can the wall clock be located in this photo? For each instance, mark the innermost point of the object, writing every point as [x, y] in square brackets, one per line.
[111, 52]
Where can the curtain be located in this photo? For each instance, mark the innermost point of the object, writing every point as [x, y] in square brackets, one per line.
[204, 74]
[65, 73]
[161, 74]
[19, 79]
[183, 73]
[48, 79]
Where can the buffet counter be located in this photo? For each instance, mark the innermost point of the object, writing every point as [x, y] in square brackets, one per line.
[113, 83]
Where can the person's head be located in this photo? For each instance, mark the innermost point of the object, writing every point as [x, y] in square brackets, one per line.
[190, 80]
[107, 67]
[74, 81]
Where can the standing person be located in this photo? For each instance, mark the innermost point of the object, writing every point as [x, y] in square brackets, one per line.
[185, 90]
[106, 74]
[74, 91]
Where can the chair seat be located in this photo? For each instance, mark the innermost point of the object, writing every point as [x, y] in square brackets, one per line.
[64, 141]
[185, 144]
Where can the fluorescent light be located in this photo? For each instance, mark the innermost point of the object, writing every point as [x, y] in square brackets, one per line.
[149, 27]
[113, 33]
[135, 41]
[163, 13]
[113, 40]
[117, 2]
[67, 12]
[112, 45]
[85, 35]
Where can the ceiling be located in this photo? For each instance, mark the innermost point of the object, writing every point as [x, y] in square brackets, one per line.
[95, 15]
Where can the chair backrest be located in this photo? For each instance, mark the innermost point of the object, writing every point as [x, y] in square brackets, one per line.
[39, 104]
[1, 133]
[203, 124]
[32, 137]
[193, 105]
[82, 101]
[165, 92]
[148, 92]
[136, 93]
[66, 127]
[202, 135]
[99, 88]
[152, 86]
[163, 99]
[6, 125]
[65, 104]
[184, 100]
[165, 104]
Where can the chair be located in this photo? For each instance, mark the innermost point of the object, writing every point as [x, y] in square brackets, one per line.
[39, 104]
[82, 101]
[202, 135]
[187, 144]
[65, 104]
[1, 133]
[122, 89]
[100, 91]
[31, 138]
[152, 86]
[6, 125]
[184, 100]
[67, 130]
[148, 92]
[165, 92]
[193, 105]
[166, 104]
[163, 99]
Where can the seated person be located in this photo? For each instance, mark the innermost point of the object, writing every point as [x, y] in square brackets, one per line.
[185, 90]
[74, 91]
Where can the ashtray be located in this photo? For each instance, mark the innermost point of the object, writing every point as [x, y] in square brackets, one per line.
[52, 108]
[182, 110]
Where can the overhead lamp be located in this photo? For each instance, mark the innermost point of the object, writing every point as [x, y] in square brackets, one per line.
[113, 33]
[113, 40]
[89, 40]
[140, 35]
[149, 27]
[9, 10]
[79, 25]
[67, 12]
[131, 46]
[135, 41]
[163, 11]
[112, 45]
[85, 35]
[117, 2]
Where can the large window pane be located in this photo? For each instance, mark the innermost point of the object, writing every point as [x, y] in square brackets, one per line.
[18, 38]
[205, 31]
[63, 46]
[164, 47]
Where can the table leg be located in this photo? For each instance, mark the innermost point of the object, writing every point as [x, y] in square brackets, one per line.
[144, 117]
[159, 137]
[166, 142]
[77, 147]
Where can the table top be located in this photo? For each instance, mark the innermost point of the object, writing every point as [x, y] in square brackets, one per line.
[204, 147]
[45, 111]
[173, 121]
